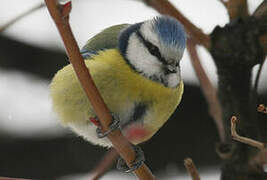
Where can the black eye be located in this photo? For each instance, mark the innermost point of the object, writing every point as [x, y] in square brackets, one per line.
[154, 50]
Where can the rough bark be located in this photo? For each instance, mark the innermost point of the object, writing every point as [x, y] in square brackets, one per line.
[236, 49]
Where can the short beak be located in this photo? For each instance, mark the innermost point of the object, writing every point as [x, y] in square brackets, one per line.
[171, 68]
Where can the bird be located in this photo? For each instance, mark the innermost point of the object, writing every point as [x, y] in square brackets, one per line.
[136, 68]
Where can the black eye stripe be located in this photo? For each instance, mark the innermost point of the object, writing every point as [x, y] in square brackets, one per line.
[154, 50]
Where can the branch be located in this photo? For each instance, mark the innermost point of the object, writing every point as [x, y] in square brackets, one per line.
[237, 8]
[244, 140]
[208, 90]
[261, 157]
[11, 22]
[60, 15]
[107, 161]
[191, 169]
[224, 150]
[8, 178]
[263, 42]
[165, 7]
[224, 3]
[104, 164]
[261, 13]
[262, 108]
[261, 10]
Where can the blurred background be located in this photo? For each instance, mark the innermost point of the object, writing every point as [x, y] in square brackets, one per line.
[34, 145]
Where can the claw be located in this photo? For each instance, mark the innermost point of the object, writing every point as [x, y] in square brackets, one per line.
[139, 161]
[113, 126]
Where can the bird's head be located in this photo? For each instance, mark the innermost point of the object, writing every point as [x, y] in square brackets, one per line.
[154, 48]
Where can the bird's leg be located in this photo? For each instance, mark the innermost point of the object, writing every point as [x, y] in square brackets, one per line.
[139, 160]
[136, 132]
[113, 126]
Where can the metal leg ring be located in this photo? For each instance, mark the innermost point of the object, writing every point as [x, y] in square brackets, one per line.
[139, 161]
[113, 126]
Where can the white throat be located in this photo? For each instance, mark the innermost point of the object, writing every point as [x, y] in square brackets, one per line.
[148, 65]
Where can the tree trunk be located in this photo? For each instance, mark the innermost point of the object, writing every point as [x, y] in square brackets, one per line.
[236, 50]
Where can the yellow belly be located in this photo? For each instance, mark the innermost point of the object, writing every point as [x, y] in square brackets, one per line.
[120, 88]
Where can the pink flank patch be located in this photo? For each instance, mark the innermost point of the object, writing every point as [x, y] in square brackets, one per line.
[136, 132]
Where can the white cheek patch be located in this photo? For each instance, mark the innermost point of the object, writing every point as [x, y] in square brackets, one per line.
[140, 58]
[174, 79]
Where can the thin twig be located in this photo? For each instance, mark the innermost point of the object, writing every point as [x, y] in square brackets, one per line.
[191, 168]
[104, 164]
[242, 139]
[261, 13]
[11, 22]
[108, 160]
[261, 10]
[120, 143]
[224, 3]
[8, 178]
[263, 43]
[237, 8]
[165, 7]
[262, 108]
[208, 90]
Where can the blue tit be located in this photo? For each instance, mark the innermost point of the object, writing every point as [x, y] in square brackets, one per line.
[136, 68]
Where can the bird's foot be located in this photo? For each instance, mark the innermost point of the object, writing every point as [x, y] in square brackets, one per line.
[139, 160]
[115, 124]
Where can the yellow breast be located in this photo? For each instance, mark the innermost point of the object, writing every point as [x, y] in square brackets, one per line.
[120, 88]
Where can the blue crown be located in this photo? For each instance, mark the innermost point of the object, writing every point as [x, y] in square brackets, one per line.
[170, 31]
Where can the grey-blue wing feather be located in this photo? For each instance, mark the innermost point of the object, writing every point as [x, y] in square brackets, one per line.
[107, 39]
